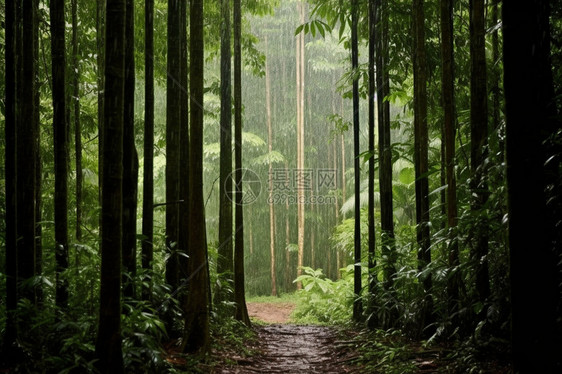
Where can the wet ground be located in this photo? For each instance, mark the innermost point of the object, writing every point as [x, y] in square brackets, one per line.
[289, 348]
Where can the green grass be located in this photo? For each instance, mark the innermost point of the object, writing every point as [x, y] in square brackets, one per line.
[283, 298]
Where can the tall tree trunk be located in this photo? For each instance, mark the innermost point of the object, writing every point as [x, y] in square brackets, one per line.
[130, 160]
[26, 149]
[385, 151]
[225, 265]
[100, 46]
[371, 188]
[196, 305]
[270, 149]
[288, 277]
[534, 288]
[148, 171]
[421, 157]
[108, 345]
[173, 95]
[300, 140]
[61, 149]
[239, 288]
[77, 125]
[38, 165]
[183, 236]
[496, 77]
[479, 145]
[357, 304]
[11, 56]
[449, 124]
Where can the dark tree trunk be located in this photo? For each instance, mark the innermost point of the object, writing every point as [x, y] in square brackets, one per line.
[479, 145]
[148, 171]
[449, 124]
[196, 306]
[77, 125]
[38, 167]
[26, 156]
[373, 41]
[357, 304]
[130, 160]
[239, 289]
[100, 45]
[536, 346]
[385, 152]
[61, 149]
[108, 345]
[421, 157]
[183, 236]
[225, 266]
[173, 95]
[10, 173]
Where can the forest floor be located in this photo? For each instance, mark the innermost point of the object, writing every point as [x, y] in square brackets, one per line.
[281, 347]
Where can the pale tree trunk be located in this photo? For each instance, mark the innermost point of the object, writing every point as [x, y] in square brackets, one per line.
[270, 149]
[300, 141]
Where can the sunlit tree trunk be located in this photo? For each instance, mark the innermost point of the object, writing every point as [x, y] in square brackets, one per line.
[61, 149]
[108, 345]
[300, 140]
[535, 291]
[288, 278]
[479, 145]
[421, 157]
[148, 171]
[130, 161]
[196, 305]
[173, 95]
[239, 287]
[357, 304]
[270, 166]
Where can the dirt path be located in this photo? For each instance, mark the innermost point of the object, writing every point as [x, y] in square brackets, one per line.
[271, 312]
[294, 349]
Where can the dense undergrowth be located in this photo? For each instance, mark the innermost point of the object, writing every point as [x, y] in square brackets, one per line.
[394, 350]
